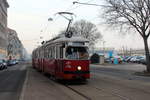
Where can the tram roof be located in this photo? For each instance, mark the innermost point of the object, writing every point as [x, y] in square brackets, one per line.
[63, 39]
[72, 39]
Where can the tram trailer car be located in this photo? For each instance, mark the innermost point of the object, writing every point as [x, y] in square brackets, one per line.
[63, 58]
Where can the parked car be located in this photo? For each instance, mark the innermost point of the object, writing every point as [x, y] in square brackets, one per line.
[3, 64]
[125, 58]
[128, 59]
[11, 62]
[16, 61]
[133, 59]
[139, 58]
[142, 61]
[107, 60]
[136, 59]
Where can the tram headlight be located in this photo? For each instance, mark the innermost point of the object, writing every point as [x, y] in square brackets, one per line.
[79, 68]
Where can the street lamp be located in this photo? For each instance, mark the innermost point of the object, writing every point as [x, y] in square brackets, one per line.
[76, 2]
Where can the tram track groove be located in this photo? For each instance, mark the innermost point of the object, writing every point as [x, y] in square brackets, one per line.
[113, 93]
[99, 89]
[109, 80]
[129, 85]
[79, 93]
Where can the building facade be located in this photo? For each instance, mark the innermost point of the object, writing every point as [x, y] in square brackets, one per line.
[3, 29]
[15, 49]
[132, 52]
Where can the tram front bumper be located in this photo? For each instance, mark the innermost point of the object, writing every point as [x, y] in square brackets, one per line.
[76, 74]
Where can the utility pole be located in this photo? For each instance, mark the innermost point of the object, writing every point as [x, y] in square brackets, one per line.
[104, 47]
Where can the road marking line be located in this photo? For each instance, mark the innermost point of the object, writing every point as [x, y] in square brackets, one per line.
[24, 86]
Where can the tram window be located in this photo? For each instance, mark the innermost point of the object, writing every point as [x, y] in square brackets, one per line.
[61, 52]
[53, 52]
[49, 52]
[46, 52]
[57, 52]
[77, 53]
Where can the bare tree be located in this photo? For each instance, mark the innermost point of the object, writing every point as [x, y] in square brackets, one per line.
[133, 14]
[87, 30]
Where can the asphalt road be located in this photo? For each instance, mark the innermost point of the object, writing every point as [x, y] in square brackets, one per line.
[122, 71]
[115, 82]
[11, 81]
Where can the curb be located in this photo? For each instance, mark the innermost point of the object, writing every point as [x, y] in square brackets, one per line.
[24, 86]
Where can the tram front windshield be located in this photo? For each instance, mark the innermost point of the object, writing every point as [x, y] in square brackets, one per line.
[77, 53]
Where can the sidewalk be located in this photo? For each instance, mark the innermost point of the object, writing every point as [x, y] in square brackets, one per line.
[39, 87]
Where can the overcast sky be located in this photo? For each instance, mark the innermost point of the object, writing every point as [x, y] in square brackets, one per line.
[30, 19]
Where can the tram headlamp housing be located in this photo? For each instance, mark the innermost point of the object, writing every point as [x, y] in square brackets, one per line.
[79, 68]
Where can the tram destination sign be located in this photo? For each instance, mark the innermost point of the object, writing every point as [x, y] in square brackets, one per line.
[76, 43]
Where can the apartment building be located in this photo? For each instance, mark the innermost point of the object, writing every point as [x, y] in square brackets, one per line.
[3, 28]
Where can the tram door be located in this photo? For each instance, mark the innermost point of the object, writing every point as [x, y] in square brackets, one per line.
[59, 57]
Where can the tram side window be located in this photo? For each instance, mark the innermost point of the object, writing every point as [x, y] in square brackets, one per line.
[57, 52]
[40, 53]
[61, 52]
[50, 52]
[45, 55]
[37, 54]
[53, 52]
[46, 52]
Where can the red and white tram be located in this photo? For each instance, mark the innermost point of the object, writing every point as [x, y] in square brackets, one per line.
[63, 58]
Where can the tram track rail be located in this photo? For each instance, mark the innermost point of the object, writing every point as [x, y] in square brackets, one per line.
[79, 88]
[79, 93]
[113, 92]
